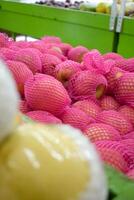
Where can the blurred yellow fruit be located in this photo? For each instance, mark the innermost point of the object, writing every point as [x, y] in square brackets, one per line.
[108, 9]
[101, 7]
[40, 162]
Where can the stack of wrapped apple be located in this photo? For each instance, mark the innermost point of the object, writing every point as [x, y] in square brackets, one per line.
[59, 83]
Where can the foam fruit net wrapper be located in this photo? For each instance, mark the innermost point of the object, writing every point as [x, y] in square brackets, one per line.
[51, 95]
[125, 89]
[83, 85]
[127, 112]
[116, 120]
[76, 118]
[115, 154]
[88, 106]
[20, 72]
[43, 117]
[100, 131]
[66, 69]
[31, 59]
[109, 103]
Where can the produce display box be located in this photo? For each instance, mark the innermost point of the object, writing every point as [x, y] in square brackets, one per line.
[126, 38]
[73, 26]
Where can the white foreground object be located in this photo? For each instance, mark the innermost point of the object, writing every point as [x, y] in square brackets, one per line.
[8, 101]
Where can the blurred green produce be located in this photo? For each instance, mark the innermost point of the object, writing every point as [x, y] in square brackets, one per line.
[120, 187]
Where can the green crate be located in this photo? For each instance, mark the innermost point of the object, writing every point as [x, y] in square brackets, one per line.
[73, 26]
[126, 38]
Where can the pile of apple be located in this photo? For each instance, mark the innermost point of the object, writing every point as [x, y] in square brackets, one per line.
[59, 83]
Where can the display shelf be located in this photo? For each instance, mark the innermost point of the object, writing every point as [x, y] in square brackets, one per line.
[73, 26]
[126, 38]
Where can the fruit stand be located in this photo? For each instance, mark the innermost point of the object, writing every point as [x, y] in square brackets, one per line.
[126, 38]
